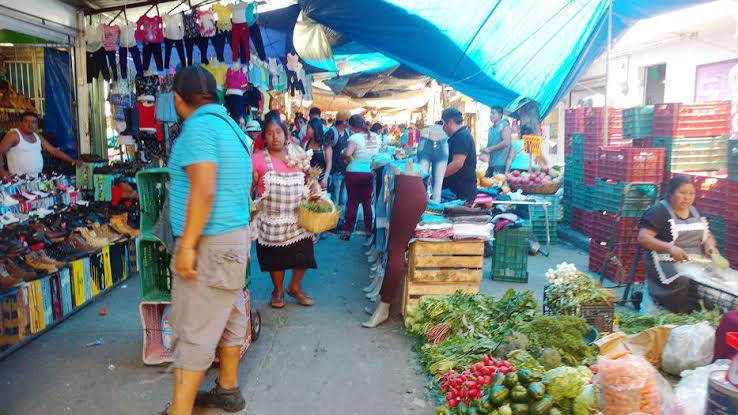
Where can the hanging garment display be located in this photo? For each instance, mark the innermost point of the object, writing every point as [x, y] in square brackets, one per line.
[128, 45]
[147, 85]
[111, 33]
[224, 15]
[192, 37]
[149, 30]
[173, 37]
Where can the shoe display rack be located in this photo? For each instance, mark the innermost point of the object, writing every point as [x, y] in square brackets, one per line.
[58, 253]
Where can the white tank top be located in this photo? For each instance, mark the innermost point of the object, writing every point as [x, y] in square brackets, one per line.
[25, 157]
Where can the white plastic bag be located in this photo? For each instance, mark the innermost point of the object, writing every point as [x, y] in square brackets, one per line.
[691, 392]
[689, 347]
[630, 385]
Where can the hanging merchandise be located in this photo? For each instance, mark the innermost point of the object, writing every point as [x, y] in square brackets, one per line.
[165, 110]
[292, 66]
[206, 25]
[149, 31]
[218, 70]
[173, 35]
[96, 57]
[258, 73]
[146, 114]
[128, 45]
[240, 34]
[111, 33]
[192, 37]
[278, 75]
[147, 85]
[234, 100]
[252, 19]
[224, 16]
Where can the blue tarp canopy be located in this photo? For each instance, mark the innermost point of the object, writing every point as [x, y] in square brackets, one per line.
[493, 51]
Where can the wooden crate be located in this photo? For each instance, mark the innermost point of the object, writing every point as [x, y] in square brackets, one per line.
[442, 268]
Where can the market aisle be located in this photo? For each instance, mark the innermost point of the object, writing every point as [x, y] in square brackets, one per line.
[308, 360]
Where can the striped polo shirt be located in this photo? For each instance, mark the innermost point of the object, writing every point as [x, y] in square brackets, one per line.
[205, 137]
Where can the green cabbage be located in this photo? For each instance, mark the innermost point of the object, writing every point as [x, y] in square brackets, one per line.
[566, 382]
[585, 403]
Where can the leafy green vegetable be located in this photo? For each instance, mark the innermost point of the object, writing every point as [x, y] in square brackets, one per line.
[563, 333]
[521, 359]
[566, 382]
[585, 403]
[317, 207]
[632, 323]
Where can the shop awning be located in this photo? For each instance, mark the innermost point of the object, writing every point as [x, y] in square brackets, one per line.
[50, 20]
[493, 51]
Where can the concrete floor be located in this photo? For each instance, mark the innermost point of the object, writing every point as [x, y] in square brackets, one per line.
[308, 360]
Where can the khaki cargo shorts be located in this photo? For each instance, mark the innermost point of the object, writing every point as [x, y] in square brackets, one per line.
[208, 311]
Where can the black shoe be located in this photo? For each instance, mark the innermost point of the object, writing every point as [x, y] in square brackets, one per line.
[229, 400]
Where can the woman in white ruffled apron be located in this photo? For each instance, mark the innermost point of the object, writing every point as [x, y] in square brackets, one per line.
[281, 243]
[674, 232]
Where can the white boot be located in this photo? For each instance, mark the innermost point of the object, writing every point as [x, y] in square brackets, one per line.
[369, 310]
[374, 267]
[373, 285]
[369, 242]
[371, 251]
[381, 314]
[373, 257]
[375, 293]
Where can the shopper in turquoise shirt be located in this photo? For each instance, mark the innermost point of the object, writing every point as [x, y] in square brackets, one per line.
[210, 178]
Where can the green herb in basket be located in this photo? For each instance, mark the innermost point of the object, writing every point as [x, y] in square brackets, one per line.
[318, 207]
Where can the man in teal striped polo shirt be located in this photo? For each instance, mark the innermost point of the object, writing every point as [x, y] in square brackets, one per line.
[210, 178]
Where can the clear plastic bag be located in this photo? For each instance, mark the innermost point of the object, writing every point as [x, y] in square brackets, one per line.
[631, 385]
[689, 347]
[691, 392]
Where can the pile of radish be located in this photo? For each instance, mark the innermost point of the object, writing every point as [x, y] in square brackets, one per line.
[469, 385]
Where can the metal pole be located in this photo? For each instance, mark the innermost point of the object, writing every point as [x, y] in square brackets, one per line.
[606, 126]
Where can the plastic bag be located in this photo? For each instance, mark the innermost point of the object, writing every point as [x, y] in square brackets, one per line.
[691, 392]
[631, 385]
[689, 347]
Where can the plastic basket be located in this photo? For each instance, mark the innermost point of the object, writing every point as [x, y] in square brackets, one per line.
[731, 204]
[638, 122]
[712, 193]
[632, 164]
[693, 154]
[316, 222]
[732, 156]
[692, 120]
[152, 192]
[634, 199]
[599, 315]
[620, 261]
[717, 228]
[582, 197]
[609, 227]
[510, 254]
[590, 172]
[154, 352]
[153, 268]
[581, 221]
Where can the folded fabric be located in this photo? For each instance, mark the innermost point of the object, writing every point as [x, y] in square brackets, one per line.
[469, 231]
[472, 219]
[508, 216]
[447, 234]
[433, 226]
[483, 199]
[429, 217]
[463, 211]
[492, 191]
[440, 206]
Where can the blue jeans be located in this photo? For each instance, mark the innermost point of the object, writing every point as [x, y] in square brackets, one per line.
[337, 190]
[434, 154]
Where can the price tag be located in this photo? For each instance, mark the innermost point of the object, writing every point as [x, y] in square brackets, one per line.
[532, 144]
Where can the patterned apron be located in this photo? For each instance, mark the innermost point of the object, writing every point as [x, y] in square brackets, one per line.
[665, 284]
[276, 224]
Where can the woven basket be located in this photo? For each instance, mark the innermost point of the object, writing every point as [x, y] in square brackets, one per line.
[537, 189]
[319, 222]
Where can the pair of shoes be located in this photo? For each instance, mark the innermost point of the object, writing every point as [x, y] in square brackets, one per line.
[277, 300]
[92, 238]
[36, 261]
[120, 224]
[301, 297]
[229, 400]
[19, 270]
[104, 231]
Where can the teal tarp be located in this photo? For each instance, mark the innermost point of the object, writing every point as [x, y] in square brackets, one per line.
[492, 51]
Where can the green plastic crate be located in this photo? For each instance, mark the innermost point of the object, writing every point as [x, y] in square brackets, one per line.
[510, 254]
[609, 196]
[693, 154]
[717, 228]
[152, 192]
[577, 146]
[152, 261]
[638, 122]
[732, 159]
[582, 197]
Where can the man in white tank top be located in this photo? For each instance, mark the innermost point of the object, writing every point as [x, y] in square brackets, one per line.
[22, 148]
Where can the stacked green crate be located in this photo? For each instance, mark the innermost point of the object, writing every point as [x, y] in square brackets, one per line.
[510, 254]
[566, 202]
[733, 159]
[717, 228]
[638, 122]
[582, 197]
[538, 218]
[152, 259]
[635, 199]
[693, 154]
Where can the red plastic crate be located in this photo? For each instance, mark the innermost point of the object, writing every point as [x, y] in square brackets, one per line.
[590, 172]
[712, 193]
[731, 203]
[692, 120]
[581, 221]
[574, 120]
[620, 262]
[645, 165]
[643, 143]
[607, 226]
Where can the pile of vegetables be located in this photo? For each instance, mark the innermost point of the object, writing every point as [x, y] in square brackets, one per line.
[505, 392]
[458, 330]
[631, 323]
[318, 207]
[569, 288]
[539, 177]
